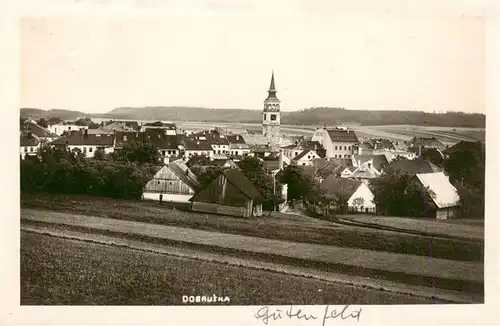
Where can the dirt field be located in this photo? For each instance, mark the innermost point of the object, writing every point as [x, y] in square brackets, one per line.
[57, 271]
[293, 229]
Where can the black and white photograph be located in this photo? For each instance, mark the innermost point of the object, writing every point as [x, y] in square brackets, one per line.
[275, 155]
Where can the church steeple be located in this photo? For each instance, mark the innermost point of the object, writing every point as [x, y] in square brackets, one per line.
[272, 89]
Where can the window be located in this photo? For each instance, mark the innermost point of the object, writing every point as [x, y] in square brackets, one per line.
[303, 163]
[85, 149]
[336, 147]
[26, 149]
[308, 157]
[163, 153]
[31, 149]
[124, 137]
[345, 148]
[349, 148]
[273, 117]
[90, 149]
[265, 116]
[296, 153]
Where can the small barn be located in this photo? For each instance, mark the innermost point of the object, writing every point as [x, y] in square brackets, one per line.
[444, 196]
[174, 182]
[231, 193]
[346, 193]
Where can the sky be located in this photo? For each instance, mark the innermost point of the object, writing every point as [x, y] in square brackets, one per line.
[220, 54]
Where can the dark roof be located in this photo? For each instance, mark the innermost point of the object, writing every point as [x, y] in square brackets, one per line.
[427, 142]
[336, 186]
[197, 145]
[28, 140]
[80, 139]
[131, 124]
[166, 142]
[379, 161]
[345, 162]
[339, 135]
[301, 155]
[169, 125]
[324, 167]
[37, 130]
[413, 167]
[235, 139]
[381, 143]
[130, 138]
[240, 181]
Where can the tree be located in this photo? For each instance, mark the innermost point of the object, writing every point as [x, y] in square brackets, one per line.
[432, 155]
[139, 153]
[467, 166]
[299, 184]
[199, 160]
[400, 195]
[254, 170]
[42, 123]
[54, 121]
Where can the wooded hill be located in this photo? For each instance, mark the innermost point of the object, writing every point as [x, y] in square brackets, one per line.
[312, 116]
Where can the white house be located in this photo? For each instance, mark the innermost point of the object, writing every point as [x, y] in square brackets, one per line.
[445, 198]
[60, 128]
[87, 143]
[357, 196]
[338, 143]
[174, 182]
[29, 144]
[305, 157]
[194, 147]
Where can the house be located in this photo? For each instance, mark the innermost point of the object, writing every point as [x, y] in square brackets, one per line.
[62, 127]
[295, 149]
[44, 135]
[445, 198]
[237, 145]
[377, 161]
[427, 142]
[346, 193]
[413, 167]
[338, 142]
[305, 157]
[85, 142]
[364, 172]
[193, 147]
[231, 193]
[168, 128]
[174, 182]
[29, 144]
[113, 127]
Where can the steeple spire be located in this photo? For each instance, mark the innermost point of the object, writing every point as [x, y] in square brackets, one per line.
[272, 89]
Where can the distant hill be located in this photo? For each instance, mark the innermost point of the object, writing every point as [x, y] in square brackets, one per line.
[312, 116]
[180, 113]
[62, 114]
[332, 116]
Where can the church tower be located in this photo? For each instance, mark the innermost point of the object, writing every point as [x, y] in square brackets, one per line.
[271, 116]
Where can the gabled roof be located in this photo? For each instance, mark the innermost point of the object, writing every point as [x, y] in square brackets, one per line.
[443, 193]
[235, 139]
[340, 135]
[382, 143]
[116, 126]
[80, 139]
[379, 161]
[365, 172]
[184, 173]
[131, 124]
[302, 154]
[413, 167]
[337, 187]
[241, 182]
[427, 142]
[167, 125]
[27, 140]
[37, 130]
[197, 145]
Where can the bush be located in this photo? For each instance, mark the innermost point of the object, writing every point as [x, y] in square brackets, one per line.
[69, 173]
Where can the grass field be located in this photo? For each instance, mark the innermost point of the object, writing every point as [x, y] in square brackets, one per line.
[56, 271]
[448, 227]
[293, 229]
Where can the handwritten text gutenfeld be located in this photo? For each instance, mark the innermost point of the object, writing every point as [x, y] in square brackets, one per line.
[266, 314]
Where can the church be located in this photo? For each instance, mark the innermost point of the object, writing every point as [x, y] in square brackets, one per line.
[271, 116]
